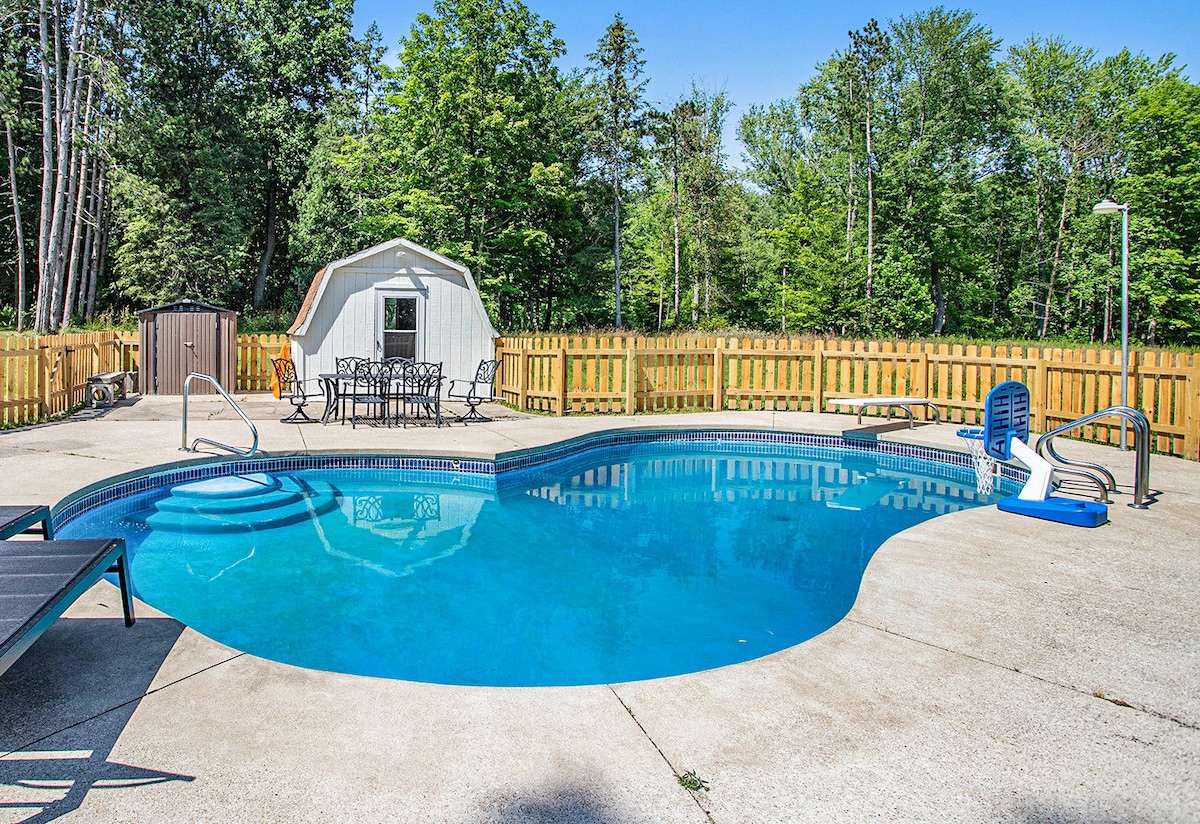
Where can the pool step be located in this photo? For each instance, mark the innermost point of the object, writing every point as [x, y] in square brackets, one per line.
[231, 486]
[236, 507]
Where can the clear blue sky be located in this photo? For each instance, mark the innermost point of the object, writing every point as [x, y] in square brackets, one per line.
[759, 52]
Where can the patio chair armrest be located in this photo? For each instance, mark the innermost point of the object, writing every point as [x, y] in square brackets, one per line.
[470, 390]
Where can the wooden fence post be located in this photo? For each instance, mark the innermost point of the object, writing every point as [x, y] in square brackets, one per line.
[1039, 402]
[44, 363]
[921, 390]
[1191, 436]
[523, 377]
[819, 376]
[718, 373]
[630, 377]
[560, 378]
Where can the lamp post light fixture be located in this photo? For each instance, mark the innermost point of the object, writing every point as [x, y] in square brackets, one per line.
[1109, 207]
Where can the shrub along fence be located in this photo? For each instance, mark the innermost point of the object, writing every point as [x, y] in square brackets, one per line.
[627, 374]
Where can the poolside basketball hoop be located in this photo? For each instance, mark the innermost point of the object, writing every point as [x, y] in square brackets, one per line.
[985, 464]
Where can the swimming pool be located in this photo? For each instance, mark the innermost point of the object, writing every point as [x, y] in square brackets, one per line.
[618, 558]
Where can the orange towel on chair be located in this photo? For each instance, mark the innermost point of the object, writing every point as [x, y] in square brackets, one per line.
[284, 353]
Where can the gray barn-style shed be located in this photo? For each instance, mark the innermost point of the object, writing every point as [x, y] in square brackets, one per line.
[396, 299]
[175, 339]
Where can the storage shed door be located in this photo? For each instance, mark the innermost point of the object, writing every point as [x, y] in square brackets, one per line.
[185, 342]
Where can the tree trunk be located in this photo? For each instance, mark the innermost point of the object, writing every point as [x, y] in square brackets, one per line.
[696, 277]
[850, 183]
[264, 262]
[42, 309]
[79, 180]
[617, 239]
[68, 120]
[783, 302]
[675, 226]
[20, 239]
[85, 263]
[939, 298]
[870, 212]
[1062, 226]
[100, 239]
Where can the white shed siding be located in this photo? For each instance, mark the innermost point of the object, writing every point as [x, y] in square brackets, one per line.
[344, 321]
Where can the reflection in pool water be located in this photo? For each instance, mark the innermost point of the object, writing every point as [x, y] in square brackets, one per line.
[623, 563]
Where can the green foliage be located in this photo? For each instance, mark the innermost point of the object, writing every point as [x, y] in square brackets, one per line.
[983, 176]
[472, 151]
[920, 182]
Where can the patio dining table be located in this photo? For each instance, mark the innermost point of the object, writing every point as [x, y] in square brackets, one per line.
[332, 385]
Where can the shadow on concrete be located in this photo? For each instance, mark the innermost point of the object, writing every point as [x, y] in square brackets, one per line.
[560, 805]
[64, 704]
[1053, 813]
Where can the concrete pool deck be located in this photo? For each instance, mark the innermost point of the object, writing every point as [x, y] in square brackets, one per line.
[993, 668]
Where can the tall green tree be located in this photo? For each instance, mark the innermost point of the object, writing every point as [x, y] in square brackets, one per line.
[295, 55]
[1163, 190]
[617, 87]
[476, 151]
[868, 53]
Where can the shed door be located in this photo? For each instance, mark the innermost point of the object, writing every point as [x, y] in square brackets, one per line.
[185, 342]
[400, 325]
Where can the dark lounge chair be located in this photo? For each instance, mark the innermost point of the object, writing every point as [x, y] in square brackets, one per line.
[24, 520]
[40, 579]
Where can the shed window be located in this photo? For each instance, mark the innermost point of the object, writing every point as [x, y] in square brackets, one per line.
[400, 327]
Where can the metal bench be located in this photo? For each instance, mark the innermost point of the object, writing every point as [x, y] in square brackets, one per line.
[889, 404]
[107, 388]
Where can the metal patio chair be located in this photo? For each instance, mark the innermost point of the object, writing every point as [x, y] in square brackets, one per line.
[292, 388]
[371, 388]
[420, 387]
[474, 392]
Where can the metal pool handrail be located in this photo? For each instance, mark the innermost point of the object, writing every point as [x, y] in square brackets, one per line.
[253, 429]
[1141, 440]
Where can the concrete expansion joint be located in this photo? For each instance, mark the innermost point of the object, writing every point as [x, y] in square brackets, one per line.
[1174, 719]
[674, 772]
[116, 707]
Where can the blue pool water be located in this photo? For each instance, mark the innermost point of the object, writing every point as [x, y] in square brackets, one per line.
[622, 563]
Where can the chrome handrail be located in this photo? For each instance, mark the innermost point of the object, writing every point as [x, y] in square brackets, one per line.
[1141, 467]
[253, 429]
[1102, 486]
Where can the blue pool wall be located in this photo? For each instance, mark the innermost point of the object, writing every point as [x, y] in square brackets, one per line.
[483, 474]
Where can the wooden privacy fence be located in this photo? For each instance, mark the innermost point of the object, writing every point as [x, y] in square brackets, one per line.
[626, 374]
[47, 375]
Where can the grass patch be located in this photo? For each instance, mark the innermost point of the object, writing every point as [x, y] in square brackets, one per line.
[692, 782]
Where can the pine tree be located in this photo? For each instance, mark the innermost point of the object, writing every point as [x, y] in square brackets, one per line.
[617, 88]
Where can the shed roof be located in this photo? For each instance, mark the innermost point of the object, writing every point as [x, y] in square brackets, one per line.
[317, 288]
[185, 305]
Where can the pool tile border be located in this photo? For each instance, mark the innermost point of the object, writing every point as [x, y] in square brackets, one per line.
[483, 473]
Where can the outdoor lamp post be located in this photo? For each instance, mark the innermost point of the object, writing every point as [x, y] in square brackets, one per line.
[1108, 207]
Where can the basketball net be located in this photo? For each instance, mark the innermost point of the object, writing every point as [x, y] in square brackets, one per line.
[985, 464]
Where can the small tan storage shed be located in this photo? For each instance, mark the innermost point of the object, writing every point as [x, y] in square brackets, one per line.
[179, 338]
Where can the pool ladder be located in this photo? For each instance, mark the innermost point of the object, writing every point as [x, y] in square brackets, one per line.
[1100, 476]
[245, 453]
